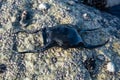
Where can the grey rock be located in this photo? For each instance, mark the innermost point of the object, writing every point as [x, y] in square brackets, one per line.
[69, 64]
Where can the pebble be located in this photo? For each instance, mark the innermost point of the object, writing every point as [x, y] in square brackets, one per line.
[86, 16]
[13, 19]
[44, 6]
[110, 67]
[71, 2]
[101, 57]
[26, 78]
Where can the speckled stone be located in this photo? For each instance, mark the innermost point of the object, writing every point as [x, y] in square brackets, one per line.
[43, 6]
[110, 67]
[66, 64]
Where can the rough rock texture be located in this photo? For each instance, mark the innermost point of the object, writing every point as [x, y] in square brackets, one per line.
[57, 63]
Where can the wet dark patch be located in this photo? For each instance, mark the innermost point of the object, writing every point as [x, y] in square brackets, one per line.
[99, 4]
[90, 65]
[115, 10]
[3, 68]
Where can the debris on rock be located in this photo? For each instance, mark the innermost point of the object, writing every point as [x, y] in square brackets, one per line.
[24, 19]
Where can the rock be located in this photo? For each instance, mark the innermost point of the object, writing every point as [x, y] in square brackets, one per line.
[26, 79]
[101, 57]
[57, 63]
[43, 6]
[13, 19]
[110, 67]
[71, 2]
[86, 16]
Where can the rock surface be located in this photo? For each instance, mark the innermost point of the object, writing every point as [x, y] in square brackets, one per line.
[57, 63]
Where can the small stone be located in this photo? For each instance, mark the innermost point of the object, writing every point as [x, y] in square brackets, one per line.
[101, 57]
[110, 67]
[26, 78]
[3, 68]
[44, 6]
[13, 19]
[86, 16]
[71, 2]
